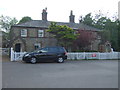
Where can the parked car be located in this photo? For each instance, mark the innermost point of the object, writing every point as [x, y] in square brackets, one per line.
[56, 53]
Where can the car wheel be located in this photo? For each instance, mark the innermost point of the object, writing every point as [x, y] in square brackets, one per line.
[60, 60]
[33, 60]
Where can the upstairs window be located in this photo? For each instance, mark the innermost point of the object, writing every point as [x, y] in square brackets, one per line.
[40, 33]
[24, 33]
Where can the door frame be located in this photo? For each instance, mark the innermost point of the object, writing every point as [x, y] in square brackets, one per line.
[18, 47]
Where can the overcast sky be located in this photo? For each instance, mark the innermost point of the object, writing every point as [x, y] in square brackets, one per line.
[58, 10]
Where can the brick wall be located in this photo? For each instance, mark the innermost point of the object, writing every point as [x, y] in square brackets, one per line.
[28, 43]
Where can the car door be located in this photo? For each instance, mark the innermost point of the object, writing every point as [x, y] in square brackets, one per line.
[49, 56]
[43, 54]
[52, 53]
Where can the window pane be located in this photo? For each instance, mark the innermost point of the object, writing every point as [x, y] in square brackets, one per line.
[24, 32]
[53, 49]
[37, 46]
[44, 49]
[40, 33]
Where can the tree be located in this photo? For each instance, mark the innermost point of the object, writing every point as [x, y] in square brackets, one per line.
[115, 35]
[64, 34]
[6, 22]
[105, 36]
[25, 19]
[118, 26]
[110, 31]
[5, 39]
[84, 39]
[101, 23]
[108, 26]
[87, 19]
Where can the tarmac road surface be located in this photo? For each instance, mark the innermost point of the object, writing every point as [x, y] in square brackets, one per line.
[71, 74]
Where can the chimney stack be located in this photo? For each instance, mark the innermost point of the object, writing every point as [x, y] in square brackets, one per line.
[44, 14]
[71, 17]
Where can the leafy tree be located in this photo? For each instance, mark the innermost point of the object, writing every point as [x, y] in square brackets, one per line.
[84, 39]
[110, 31]
[109, 28]
[6, 22]
[25, 19]
[87, 19]
[5, 39]
[118, 26]
[115, 35]
[64, 34]
[101, 23]
[105, 36]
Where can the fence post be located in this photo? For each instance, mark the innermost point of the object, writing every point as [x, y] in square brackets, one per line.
[12, 55]
[84, 56]
[118, 56]
[99, 55]
[111, 55]
[15, 56]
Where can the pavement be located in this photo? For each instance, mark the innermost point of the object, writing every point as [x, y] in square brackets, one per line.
[4, 58]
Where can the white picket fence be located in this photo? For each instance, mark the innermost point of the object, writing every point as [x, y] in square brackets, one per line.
[4, 51]
[16, 56]
[93, 55]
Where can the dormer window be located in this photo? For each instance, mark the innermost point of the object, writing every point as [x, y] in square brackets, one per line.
[40, 33]
[24, 33]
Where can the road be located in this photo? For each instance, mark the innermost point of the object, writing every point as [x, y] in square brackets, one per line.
[71, 74]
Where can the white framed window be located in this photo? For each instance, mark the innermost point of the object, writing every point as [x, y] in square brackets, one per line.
[40, 33]
[24, 33]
